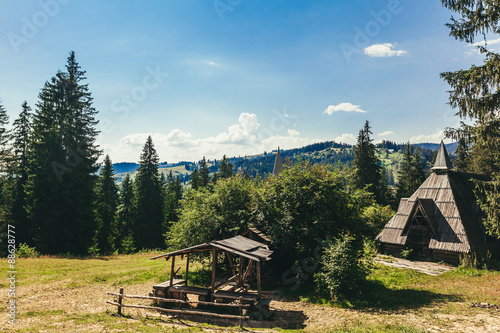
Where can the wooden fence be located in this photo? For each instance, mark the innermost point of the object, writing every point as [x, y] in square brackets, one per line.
[180, 311]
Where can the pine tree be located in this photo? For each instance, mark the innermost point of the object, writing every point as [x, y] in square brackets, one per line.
[4, 138]
[204, 173]
[106, 206]
[411, 172]
[5, 180]
[368, 171]
[150, 204]
[418, 169]
[474, 93]
[127, 214]
[462, 161]
[63, 164]
[226, 168]
[21, 133]
[405, 178]
[195, 179]
[173, 197]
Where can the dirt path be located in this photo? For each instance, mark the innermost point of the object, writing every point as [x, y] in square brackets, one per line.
[61, 303]
[430, 268]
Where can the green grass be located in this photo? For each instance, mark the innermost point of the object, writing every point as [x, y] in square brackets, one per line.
[389, 294]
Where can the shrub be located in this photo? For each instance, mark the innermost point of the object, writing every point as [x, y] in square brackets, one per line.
[343, 270]
[25, 251]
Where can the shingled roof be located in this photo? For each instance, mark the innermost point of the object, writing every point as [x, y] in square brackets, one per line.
[447, 201]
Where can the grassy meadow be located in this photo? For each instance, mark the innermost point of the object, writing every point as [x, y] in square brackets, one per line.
[69, 294]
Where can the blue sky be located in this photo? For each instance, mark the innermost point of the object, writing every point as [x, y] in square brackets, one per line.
[237, 77]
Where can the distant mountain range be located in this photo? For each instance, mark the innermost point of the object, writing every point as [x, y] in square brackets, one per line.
[450, 147]
[262, 164]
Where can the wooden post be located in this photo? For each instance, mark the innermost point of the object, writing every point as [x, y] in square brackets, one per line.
[172, 272]
[180, 307]
[214, 266]
[120, 301]
[240, 272]
[241, 312]
[259, 289]
[187, 269]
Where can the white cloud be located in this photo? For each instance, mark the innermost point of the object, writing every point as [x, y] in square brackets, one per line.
[489, 42]
[383, 50]
[386, 133]
[491, 45]
[346, 138]
[346, 107]
[243, 138]
[431, 138]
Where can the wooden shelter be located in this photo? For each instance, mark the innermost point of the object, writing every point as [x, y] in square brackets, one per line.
[441, 220]
[244, 257]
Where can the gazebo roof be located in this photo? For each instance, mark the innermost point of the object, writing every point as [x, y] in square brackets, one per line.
[237, 245]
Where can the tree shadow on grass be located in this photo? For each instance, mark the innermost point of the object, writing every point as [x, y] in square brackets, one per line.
[376, 297]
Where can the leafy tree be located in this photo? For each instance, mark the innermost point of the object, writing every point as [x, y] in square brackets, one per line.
[21, 134]
[475, 94]
[368, 171]
[150, 200]
[207, 215]
[127, 214]
[106, 205]
[305, 204]
[63, 164]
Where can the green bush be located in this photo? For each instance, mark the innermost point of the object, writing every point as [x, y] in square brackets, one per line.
[25, 251]
[343, 268]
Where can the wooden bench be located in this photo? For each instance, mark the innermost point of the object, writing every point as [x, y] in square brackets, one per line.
[160, 289]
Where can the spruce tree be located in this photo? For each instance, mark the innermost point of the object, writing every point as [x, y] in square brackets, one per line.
[21, 133]
[462, 160]
[5, 180]
[150, 204]
[204, 173]
[127, 214]
[4, 138]
[195, 179]
[62, 160]
[474, 93]
[106, 206]
[368, 171]
[226, 168]
[173, 197]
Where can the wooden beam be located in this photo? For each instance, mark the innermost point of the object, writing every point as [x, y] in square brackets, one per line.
[172, 273]
[187, 269]
[259, 288]
[210, 314]
[214, 266]
[175, 300]
[246, 273]
[240, 271]
[230, 260]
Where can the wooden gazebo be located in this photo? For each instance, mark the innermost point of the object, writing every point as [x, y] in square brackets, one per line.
[250, 254]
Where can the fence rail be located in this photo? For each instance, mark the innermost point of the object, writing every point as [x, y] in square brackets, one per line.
[180, 311]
